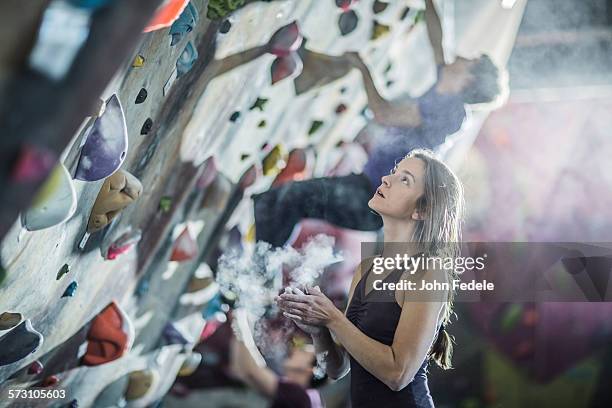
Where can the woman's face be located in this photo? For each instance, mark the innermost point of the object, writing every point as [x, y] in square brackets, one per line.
[399, 191]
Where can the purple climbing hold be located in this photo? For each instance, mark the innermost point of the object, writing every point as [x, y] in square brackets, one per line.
[71, 289]
[106, 144]
[19, 343]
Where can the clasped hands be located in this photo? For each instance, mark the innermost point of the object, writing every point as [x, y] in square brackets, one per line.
[310, 309]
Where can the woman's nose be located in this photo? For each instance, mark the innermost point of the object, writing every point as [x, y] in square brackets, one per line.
[385, 180]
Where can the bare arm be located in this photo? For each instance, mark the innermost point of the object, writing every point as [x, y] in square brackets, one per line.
[244, 366]
[221, 66]
[385, 112]
[434, 30]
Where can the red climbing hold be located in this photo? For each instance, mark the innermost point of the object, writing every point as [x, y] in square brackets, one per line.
[185, 247]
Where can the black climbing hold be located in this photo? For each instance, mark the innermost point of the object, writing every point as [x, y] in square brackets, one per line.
[2, 274]
[316, 125]
[262, 124]
[260, 103]
[142, 95]
[63, 270]
[225, 27]
[146, 127]
[235, 116]
[244, 156]
[405, 13]
[264, 146]
[379, 6]
[20, 342]
[390, 83]
[347, 22]
[388, 67]
[343, 90]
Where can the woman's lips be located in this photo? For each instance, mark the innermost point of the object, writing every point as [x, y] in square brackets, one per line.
[378, 192]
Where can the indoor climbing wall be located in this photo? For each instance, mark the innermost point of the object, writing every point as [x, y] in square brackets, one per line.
[106, 283]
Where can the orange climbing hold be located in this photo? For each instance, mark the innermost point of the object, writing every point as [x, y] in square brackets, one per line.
[166, 14]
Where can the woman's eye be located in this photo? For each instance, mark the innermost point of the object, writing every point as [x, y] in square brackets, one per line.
[405, 180]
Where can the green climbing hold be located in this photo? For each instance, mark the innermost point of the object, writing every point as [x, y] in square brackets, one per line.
[316, 125]
[260, 104]
[219, 9]
[420, 16]
[63, 270]
[165, 203]
[262, 124]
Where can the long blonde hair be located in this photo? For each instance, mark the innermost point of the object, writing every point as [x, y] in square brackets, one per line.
[439, 232]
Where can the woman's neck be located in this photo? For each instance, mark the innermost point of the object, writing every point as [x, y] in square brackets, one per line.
[401, 234]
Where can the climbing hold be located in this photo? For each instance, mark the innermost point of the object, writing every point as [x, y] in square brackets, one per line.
[341, 109]
[118, 191]
[73, 404]
[110, 336]
[19, 343]
[185, 247]
[405, 13]
[172, 335]
[9, 320]
[285, 40]
[138, 62]
[315, 126]
[141, 97]
[379, 30]
[71, 289]
[345, 4]
[166, 14]
[295, 168]
[165, 203]
[388, 68]
[271, 163]
[347, 22]
[184, 24]
[219, 9]
[141, 383]
[186, 59]
[196, 284]
[248, 178]
[190, 365]
[225, 27]
[2, 274]
[32, 164]
[234, 116]
[260, 103]
[285, 67]
[208, 174]
[343, 90]
[35, 368]
[55, 202]
[146, 127]
[170, 81]
[90, 4]
[419, 16]
[106, 144]
[389, 83]
[50, 381]
[262, 124]
[63, 270]
[379, 6]
[123, 244]
[143, 288]
[244, 156]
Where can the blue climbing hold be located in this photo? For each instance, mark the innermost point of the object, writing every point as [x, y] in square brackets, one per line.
[184, 24]
[186, 59]
[71, 289]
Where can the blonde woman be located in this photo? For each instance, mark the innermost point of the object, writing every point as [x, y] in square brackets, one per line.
[387, 344]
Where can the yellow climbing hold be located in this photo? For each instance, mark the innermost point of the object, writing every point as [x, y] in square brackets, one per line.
[138, 61]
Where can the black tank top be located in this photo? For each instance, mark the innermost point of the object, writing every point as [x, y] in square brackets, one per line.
[377, 318]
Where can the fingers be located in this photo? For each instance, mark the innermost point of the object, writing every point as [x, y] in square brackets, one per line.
[295, 298]
[292, 316]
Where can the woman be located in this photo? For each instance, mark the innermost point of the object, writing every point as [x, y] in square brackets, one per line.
[388, 344]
